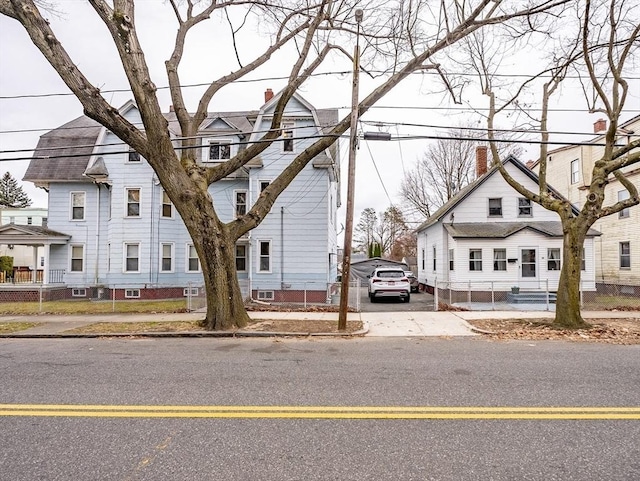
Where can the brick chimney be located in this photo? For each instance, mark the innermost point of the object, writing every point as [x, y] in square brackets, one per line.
[268, 95]
[481, 160]
[599, 126]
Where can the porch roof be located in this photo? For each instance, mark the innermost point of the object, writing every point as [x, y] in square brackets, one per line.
[31, 235]
[502, 230]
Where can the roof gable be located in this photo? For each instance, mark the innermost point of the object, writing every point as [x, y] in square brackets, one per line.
[466, 191]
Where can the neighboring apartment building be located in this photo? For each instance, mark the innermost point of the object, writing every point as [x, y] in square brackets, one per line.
[25, 257]
[125, 234]
[488, 239]
[618, 248]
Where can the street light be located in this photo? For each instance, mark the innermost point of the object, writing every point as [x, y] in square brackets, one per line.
[353, 144]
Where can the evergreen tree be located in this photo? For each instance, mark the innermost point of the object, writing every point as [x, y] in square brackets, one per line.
[11, 194]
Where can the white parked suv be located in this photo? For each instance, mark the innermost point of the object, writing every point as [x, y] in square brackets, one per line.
[389, 282]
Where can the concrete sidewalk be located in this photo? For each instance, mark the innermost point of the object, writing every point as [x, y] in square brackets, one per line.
[377, 324]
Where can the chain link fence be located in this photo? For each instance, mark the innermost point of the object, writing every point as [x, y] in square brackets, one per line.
[527, 296]
[35, 298]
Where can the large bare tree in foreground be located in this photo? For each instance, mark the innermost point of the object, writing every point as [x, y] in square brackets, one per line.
[408, 36]
[603, 56]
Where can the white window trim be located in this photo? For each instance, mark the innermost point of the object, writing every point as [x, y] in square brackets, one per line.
[78, 292]
[624, 213]
[124, 257]
[246, 257]
[474, 260]
[132, 293]
[258, 256]
[503, 260]
[186, 260]
[489, 214]
[126, 203]
[161, 257]
[128, 160]
[84, 206]
[575, 162]
[620, 255]
[530, 208]
[84, 258]
[206, 143]
[235, 201]
[288, 125]
[265, 295]
[162, 204]
[260, 182]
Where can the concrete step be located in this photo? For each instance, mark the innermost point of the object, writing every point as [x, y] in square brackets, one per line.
[530, 297]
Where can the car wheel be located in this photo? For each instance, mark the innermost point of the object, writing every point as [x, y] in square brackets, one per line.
[372, 297]
[408, 298]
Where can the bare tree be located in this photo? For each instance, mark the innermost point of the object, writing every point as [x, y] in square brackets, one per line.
[603, 56]
[365, 229]
[410, 35]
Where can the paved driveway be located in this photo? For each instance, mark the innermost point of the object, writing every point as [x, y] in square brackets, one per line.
[420, 301]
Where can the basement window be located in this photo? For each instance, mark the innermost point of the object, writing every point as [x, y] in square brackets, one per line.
[265, 296]
[132, 293]
[78, 293]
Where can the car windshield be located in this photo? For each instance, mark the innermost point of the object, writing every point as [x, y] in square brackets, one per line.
[388, 274]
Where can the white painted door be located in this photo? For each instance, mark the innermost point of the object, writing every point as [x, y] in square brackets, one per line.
[528, 266]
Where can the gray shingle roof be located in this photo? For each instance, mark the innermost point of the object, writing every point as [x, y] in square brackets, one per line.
[502, 230]
[71, 145]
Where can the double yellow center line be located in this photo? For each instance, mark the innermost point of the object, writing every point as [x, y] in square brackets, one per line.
[322, 412]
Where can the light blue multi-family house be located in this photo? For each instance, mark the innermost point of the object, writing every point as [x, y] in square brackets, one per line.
[112, 227]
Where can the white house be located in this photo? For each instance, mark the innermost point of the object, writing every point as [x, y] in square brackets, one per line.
[27, 260]
[488, 238]
[115, 228]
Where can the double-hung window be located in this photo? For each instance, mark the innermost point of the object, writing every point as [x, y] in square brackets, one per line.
[553, 259]
[475, 259]
[625, 255]
[193, 262]
[240, 202]
[219, 151]
[133, 202]
[241, 258]
[264, 261]
[167, 206]
[77, 258]
[451, 257]
[132, 257]
[623, 195]
[133, 156]
[575, 171]
[77, 205]
[524, 207]
[287, 136]
[166, 257]
[499, 259]
[495, 207]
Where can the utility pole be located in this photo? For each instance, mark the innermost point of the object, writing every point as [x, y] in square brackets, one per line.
[351, 181]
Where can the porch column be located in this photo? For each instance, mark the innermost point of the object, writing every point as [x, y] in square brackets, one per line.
[45, 268]
[34, 275]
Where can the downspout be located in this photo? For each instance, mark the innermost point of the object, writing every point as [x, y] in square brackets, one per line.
[282, 247]
[97, 237]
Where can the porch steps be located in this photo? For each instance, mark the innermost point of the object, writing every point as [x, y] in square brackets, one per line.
[531, 298]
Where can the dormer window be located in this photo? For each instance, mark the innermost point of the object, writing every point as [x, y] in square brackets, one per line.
[219, 151]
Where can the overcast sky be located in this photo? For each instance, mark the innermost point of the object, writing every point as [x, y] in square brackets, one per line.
[380, 165]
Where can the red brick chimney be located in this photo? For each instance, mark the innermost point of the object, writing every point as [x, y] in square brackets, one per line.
[268, 95]
[481, 160]
[599, 126]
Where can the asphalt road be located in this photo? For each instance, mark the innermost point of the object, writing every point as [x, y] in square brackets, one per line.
[420, 301]
[86, 443]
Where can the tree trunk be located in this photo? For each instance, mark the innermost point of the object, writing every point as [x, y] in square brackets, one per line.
[225, 305]
[568, 314]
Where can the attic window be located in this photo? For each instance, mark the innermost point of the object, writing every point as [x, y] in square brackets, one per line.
[133, 156]
[495, 207]
[287, 136]
[219, 151]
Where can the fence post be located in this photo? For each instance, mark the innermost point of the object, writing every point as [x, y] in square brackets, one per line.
[189, 296]
[493, 299]
[581, 294]
[305, 295]
[547, 293]
[435, 294]
[40, 305]
[469, 292]
[358, 287]
[113, 299]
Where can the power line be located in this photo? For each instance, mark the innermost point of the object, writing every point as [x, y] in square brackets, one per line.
[285, 77]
